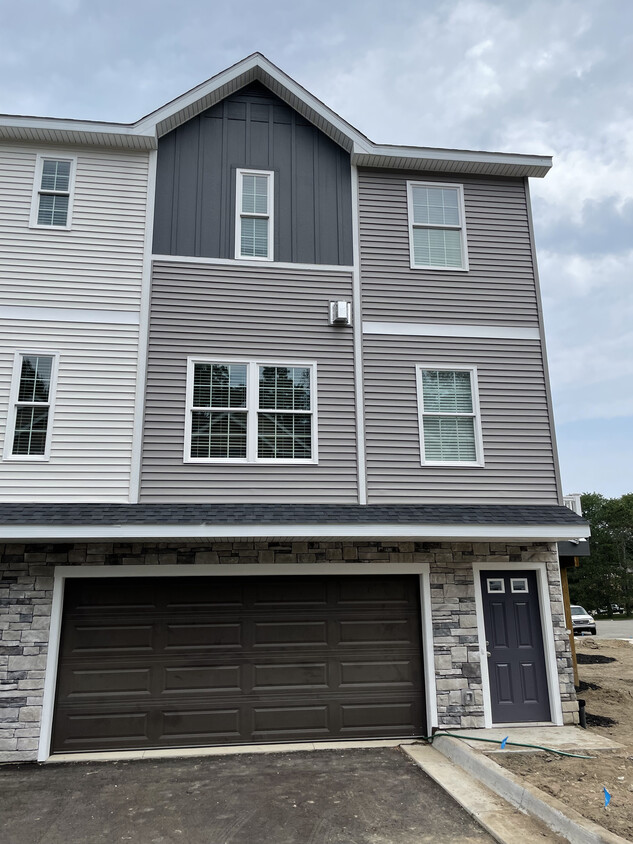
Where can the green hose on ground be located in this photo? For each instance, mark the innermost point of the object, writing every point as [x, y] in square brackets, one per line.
[430, 740]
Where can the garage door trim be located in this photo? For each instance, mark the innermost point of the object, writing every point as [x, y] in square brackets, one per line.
[62, 573]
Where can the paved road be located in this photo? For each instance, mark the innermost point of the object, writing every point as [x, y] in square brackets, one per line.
[372, 796]
[620, 629]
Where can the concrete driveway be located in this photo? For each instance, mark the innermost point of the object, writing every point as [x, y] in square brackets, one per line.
[373, 796]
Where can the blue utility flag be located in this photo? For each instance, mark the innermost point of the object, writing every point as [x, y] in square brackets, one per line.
[503, 743]
[607, 798]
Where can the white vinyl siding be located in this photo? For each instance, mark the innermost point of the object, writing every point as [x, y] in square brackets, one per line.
[30, 411]
[96, 264]
[92, 424]
[53, 192]
[437, 229]
[254, 202]
[250, 412]
[450, 431]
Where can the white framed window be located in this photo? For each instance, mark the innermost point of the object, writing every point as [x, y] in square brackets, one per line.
[254, 210]
[31, 407]
[437, 226]
[495, 584]
[519, 584]
[53, 191]
[245, 411]
[449, 417]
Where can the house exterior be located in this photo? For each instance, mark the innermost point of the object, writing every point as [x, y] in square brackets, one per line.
[278, 451]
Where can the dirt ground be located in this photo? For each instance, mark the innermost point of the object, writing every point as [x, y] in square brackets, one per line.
[607, 688]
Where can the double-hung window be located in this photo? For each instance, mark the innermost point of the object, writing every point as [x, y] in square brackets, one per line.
[437, 230]
[450, 428]
[254, 204]
[53, 191]
[30, 415]
[250, 412]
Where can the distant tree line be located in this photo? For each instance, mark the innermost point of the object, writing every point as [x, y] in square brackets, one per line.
[606, 576]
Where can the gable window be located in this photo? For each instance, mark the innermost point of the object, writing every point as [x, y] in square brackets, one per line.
[450, 429]
[254, 202]
[437, 230]
[250, 412]
[52, 199]
[30, 419]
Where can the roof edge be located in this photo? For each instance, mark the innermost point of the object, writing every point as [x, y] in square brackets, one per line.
[144, 133]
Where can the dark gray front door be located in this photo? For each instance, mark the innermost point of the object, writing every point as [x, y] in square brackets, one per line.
[181, 661]
[516, 661]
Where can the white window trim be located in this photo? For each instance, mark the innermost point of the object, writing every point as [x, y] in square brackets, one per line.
[461, 228]
[37, 183]
[490, 591]
[270, 216]
[13, 407]
[252, 411]
[476, 415]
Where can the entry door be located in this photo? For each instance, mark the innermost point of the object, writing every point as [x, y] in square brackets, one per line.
[516, 658]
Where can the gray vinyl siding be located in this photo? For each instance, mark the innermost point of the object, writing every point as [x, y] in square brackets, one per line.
[499, 286]
[195, 189]
[233, 311]
[518, 454]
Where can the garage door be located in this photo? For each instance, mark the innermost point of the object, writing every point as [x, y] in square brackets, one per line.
[176, 662]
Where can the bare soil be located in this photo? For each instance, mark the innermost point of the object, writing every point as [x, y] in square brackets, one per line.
[607, 688]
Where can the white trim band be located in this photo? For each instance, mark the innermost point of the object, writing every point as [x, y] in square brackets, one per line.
[446, 329]
[26, 312]
[343, 269]
[543, 533]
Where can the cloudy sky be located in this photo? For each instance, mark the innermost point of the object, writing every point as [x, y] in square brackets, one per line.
[533, 76]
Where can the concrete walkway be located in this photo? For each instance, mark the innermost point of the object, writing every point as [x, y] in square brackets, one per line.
[352, 796]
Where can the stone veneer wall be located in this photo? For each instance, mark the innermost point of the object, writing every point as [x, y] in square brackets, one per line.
[26, 588]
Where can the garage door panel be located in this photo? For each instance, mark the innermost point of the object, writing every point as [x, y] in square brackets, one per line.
[290, 633]
[403, 672]
[374, 591]
[190, 636]
[104, 683]
[299, 593]
[291, 676]
[98, 730]
[375, 717]
[208, 725]
[204, 678]
[197, 667]
[277, 721]
[376, 632]
[111, 638]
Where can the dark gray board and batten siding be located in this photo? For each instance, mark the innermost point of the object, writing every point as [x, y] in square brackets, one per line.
[266, 313]
[196, 177]
[517, 440]
[498, 289]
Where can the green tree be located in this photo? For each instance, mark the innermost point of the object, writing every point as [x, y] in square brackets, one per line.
[606, 576]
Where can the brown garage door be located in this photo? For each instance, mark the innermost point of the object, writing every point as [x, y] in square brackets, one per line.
[175, 662]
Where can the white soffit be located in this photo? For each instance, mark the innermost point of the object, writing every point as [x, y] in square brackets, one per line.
[144, 134]
[542, 533]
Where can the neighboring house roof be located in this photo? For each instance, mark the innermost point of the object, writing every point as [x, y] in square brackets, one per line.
[424, 521]
[145, 132]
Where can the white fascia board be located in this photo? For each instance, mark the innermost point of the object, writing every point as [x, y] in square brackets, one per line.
[56, 130]
[458, 161]
[542, 533]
